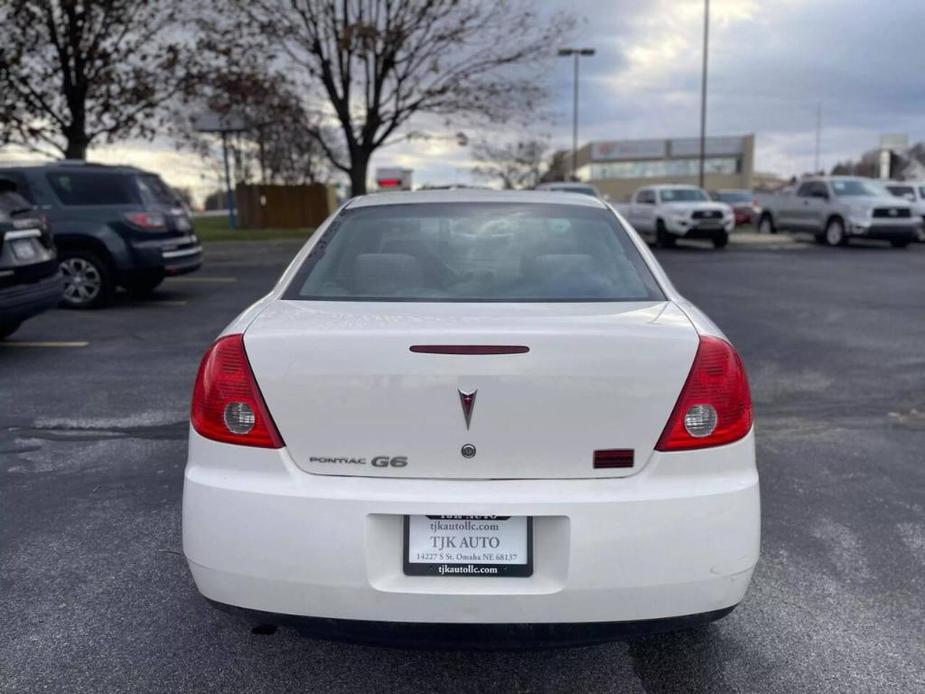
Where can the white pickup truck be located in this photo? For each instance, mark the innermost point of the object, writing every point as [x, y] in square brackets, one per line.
[914, 192]
[672, 212]
[837, 208]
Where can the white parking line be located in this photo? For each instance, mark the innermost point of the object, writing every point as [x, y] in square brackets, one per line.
[204, 280]
[34, 343]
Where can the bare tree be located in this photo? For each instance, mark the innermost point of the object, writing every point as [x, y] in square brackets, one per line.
[515, 164]
[73, 72]
[378, 63]
[559, 166]
[276, 146]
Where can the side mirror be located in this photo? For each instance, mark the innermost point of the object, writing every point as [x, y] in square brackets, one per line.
[821, 194]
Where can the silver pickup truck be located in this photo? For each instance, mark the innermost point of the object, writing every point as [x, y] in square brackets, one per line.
[838, 208]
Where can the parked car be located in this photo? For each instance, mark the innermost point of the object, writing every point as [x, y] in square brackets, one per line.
[587, 467]
[744, 207]
[914, 193]
[113, 226]
[836, 209]
[30, 281]
[667, 213]
[571, 187]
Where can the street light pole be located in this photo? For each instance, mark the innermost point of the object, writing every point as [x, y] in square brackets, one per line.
[575, 53]
[703, 87]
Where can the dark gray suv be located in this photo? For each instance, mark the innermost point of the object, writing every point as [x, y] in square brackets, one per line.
[113, 226]
[30, 281]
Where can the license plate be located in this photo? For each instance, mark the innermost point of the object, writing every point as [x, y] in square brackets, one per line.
[24, 249]
[489, 546]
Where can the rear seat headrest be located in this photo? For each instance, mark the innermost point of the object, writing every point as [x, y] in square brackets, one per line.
[383, 273]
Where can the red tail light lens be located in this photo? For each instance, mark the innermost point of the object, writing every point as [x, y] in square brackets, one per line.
[715, 406]
[227, 405]
[149, 221]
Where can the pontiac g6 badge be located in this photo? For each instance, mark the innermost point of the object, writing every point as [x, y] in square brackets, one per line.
[467, 400]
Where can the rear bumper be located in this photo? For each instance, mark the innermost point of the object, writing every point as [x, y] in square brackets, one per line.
[22, 301]
[170, 256]
[473, 636]
[678, 538]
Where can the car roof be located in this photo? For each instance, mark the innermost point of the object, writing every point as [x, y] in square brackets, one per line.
[660, 186]
[537, 197]
[72, 165]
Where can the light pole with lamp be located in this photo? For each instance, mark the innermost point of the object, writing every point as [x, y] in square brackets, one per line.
[703, 88]
[575, 53]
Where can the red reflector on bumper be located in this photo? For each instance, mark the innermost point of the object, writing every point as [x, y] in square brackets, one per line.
[615, 457]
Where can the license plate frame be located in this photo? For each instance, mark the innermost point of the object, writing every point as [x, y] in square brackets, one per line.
[23, 249]
[477, 569]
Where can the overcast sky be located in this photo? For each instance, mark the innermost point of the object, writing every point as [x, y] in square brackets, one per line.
[772, 62]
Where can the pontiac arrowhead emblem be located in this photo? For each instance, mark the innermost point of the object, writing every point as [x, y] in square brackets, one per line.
[467, 400]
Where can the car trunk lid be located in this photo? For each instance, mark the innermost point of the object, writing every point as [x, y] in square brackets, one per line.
[359, 388]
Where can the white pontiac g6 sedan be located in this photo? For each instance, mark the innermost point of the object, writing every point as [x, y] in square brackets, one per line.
[474, 414]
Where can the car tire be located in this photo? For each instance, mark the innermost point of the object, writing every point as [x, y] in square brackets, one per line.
[88, 279]
[721, 240]
[142, 286]
[900, 243]
[835, 233]
[663, 238]
[7, 329]
[766, 225]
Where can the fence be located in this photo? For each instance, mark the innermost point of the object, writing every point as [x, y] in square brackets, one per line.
[288, 207]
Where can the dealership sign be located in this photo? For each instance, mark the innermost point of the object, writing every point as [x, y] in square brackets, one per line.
[623, 150]
[713, 146]
[616, 150]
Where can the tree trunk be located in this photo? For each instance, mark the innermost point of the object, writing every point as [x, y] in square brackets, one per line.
[76, 147]
[359, 167]
[76, 131]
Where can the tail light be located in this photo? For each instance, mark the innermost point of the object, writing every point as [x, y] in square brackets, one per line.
[149, 221]
[227, 405]
[715, 406]
[46, 239]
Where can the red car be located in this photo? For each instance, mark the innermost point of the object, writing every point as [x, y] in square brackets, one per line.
[743, 204]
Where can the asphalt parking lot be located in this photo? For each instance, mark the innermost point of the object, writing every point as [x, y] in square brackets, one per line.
[95, 595]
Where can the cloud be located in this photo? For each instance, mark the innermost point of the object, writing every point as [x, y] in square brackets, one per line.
[771, 65]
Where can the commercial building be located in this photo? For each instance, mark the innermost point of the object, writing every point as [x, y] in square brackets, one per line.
[619, 167]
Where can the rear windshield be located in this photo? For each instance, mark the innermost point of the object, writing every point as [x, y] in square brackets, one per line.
[155, 191]
[474, 253]
[94, 188]
[12, 203]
